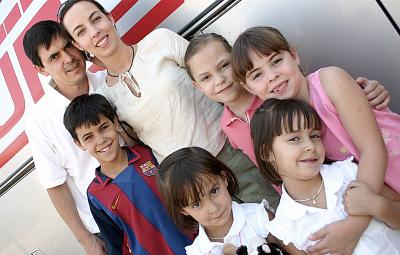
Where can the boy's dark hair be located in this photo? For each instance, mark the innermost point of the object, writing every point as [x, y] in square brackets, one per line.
[274, 118]
[180, 179]
[262, 40]
[198, 42]
[86, 110]
[41, 35]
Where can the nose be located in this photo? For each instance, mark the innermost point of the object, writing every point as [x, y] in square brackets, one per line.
[93, 30]
[212, 207]
[67, 57]
[272, 77]
[309, 145]
[219, 79]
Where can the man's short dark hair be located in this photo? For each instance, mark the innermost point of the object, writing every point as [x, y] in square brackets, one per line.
[86, 110]
[41, 35]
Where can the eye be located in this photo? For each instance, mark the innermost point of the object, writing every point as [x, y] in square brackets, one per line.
[53, 57]
[257, 75]
[315, 135]
[80, 32]
[276, 61]
[294, 139]
[68, 45]
[104, 127]
[196, 205]
[214, 191]
[223, 66]
[204, 78]
[96, 19]
[87, 138]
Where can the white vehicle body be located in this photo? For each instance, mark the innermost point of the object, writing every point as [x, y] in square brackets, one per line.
[361, 36]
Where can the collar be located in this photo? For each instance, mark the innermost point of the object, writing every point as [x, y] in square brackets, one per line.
[229, 117]
[239, 219]
[94, 80]
[333, 181]
[133, 156]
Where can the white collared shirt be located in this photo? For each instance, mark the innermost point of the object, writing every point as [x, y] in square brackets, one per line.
[295, 222]
[57, 158]
[249, 220]
[171, 113]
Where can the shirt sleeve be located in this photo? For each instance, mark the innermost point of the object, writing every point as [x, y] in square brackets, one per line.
[261, 219]
[49, 170]
[173, 44]
[113, 236]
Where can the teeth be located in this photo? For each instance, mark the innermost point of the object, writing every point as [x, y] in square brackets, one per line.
[105, 148]
[279, 87]
[102, 42]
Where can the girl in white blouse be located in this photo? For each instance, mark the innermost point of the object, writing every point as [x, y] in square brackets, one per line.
[198, 189]
[290, 152]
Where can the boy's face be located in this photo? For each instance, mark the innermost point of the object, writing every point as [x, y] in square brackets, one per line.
[212, 73]
[274, 76]
[100, 140]
[63, 62]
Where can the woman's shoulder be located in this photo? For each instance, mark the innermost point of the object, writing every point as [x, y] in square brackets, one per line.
[159, 35]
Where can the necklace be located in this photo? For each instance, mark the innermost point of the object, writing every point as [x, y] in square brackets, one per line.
[128, 79]
[216, 239]
[313, 197]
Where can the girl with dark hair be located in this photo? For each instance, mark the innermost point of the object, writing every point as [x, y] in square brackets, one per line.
[289, 151]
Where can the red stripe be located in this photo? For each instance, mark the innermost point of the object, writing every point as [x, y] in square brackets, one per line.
[122, 8]
[148, 236]
[16, 95]
[2, 33]
[12, 18]
[25, 4]
[13, 148]
[151, 20]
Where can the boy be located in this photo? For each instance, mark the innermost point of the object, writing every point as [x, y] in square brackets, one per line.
[123, 197]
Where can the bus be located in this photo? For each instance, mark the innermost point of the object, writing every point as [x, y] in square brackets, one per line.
[361, 36]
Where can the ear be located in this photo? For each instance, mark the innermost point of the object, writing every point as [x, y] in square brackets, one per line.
[79, 145]
[295, 55]
[196, 85]
[41, 70]
[110, 17]
[225, 178]
[77, 45]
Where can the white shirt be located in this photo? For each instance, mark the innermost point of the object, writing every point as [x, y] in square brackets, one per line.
[248, 228]
[171, 113]
[294, 222]
[57, 158]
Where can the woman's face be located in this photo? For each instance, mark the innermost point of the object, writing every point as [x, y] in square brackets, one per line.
[91, 29]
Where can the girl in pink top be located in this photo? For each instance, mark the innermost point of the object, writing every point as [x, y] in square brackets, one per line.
[267, 66]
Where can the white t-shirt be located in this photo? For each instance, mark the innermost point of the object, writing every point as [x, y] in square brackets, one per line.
[56, 156]
[171, 113]
[294, 222]
[249, 220]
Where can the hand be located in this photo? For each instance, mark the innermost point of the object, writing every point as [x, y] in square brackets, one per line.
[94, 246]
[340, 237]
[376, 93]
[359, 199]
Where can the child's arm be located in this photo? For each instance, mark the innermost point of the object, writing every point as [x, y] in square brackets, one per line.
[359, 199]
[360, 123]
[377, 95]
[112, 235]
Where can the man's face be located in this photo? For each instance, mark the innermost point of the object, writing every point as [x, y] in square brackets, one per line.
[63, 62]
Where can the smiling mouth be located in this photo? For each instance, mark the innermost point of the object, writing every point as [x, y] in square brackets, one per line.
[280, 88]
[225, 89]
[309, 160]
[105, 149]
[102, 42]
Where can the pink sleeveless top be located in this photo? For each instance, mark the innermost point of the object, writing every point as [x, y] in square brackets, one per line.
[337, 141]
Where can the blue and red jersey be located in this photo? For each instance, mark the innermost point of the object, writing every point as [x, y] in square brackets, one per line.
[130, 212]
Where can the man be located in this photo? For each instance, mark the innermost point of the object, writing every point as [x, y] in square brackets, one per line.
[64, 170]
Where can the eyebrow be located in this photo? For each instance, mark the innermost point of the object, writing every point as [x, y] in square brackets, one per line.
[269, 57]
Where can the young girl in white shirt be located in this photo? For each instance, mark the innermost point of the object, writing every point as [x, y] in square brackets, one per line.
[197, 189]
[289, 151]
